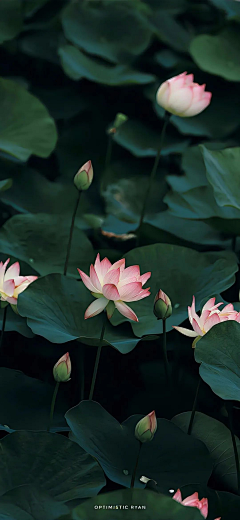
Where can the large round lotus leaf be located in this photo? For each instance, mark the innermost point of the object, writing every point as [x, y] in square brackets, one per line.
[112, 30]
[142, 141]
[15, 323]
[217, 438]
[55, 307]
[172, 458]
[78, 65]
[41, 240]
[219, 355]
[10, 19]
[28, 502]
[222, 169]
[25, 460]
[25, 126]
[132, 505]
[26, 401]
[218, 54]
[181, 273]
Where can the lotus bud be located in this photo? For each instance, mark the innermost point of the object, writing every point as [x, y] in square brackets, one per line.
[119, 120]
[84, 176]
[62, 369]
[146, 428]
[162, 306]
[182, 96]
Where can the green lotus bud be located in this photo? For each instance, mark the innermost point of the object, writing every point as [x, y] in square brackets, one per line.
[62, 369]
[146, 428]
[84, 176]
[162, 306]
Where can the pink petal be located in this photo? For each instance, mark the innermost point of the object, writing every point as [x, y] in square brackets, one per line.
[95, 308]
[8, 287]
[204, 316]
[178, 496]
[105, 265]
[112, 277]
[144, 277]
[198, 107]
[13, 271]
[228, 308]
[129, 291]
[110, 292]
[119, 264]
[87, 282]
[126, 311]
[94, 278]
[3, 269]
[20, 288]
[209, 304]
[9, 299]
[196, 327]
[191, 501]
[143, 294]
[163, 94]
[187, 332]
[180, 100]
[130, 272]
[211, 321]
[204, 507]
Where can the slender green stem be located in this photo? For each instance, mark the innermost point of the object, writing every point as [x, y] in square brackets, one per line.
[97, 362]
[153, 172]
[194, 407]
[3, 326]
[136, 466]
[82, 376]
[53, 406]
[71, 233]
[165, 357]
[107, 160]
[230, 420]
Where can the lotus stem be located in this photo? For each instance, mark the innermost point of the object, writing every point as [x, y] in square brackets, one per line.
[71, 233]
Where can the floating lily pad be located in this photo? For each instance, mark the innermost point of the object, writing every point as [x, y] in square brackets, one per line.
[27, 502]
[41, 240]
[26, 127]
[72, 474]
[218, 353]
[217, 438]
[172, 458]
[222, 168]
[78, 65]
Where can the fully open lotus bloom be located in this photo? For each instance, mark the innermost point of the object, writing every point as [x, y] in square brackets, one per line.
[113, 285]
[11, 283]
[193, 501]
[210, 316]
[182, 97]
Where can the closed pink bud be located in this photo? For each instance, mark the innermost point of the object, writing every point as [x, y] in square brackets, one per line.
[62, 369]
[183, 97]
[146, 428]
[84, 176]
[162, 306]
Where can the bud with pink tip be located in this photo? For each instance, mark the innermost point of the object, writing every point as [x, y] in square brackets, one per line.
[146, 428]
[84, 176]
[62, 369]
[183, 97]
[162, 306]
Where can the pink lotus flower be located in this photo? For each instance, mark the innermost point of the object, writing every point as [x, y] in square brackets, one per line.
[193, 501]
[11, 284]
[182, 97]
[113, 285]
[210, 316]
